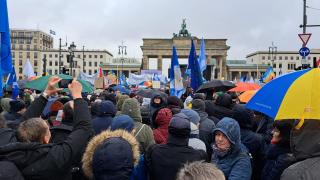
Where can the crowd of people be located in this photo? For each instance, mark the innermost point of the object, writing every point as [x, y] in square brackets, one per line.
[114, 136]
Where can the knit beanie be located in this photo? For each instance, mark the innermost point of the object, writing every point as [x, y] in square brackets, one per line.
[124, 122]
[192, 115]
[16, 105]
[173, 101]
[198, 105]
[179, 126]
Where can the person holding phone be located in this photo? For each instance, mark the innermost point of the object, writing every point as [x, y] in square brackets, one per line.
[33, 155]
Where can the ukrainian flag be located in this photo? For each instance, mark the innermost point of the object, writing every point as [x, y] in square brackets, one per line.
[268, 75]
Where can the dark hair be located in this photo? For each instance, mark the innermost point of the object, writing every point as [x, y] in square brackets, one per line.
[108, 96]
[68, 113]
[284, 127]
[32, 130]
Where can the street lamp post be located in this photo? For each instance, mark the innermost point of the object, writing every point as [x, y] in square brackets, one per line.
[273, 52]
[83, 59]
[71, 49]
[44, 65]
[60, 46]
[122, 51]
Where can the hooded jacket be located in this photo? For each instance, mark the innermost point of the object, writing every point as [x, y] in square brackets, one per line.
[154, 108]
[120, 101]
[306, 149]
[104, 114]
[236, 163]
[50, 161]
[162, 121]
[7, 136]
[165, 160]
[111, 155]
[143, 133]
[253, 141]
[206, 125]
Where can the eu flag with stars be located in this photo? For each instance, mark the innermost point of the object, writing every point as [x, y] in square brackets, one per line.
[195, 72]
[5, 47]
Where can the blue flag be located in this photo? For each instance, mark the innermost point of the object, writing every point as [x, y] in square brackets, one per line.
[123, 80]
[12, 82]
[202, 56]
[5, 46]
[6, 59]
[176, 84]
[195, 72]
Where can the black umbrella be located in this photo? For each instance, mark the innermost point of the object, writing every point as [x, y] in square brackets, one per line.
[215, 85]
[150, 93]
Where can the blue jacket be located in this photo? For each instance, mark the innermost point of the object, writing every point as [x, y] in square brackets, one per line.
[105, 111]
[236, 164]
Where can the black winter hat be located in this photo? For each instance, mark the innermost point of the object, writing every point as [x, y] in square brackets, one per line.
[179, 126]
[17, 105]
[244, 117]
[198, 105]
[173, 101]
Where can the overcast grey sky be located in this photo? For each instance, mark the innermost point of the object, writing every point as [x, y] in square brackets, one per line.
[249, 25]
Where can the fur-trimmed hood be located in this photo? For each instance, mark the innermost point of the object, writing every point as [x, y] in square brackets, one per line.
[100, 140]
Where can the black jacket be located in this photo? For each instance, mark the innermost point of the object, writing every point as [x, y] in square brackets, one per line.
[7, 136]
[51, 161]
[278, 159]
[305, 146]
[60, 133]
[165, 160]
[206, 128]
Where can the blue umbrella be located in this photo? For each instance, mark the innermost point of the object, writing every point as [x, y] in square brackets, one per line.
[122, 89]
[291, 96]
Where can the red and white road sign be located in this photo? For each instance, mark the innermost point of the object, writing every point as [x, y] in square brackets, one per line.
[305, 38]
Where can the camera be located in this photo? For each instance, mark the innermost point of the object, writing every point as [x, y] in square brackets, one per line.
[64, 83]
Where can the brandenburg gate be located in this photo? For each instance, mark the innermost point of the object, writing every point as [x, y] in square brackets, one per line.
[216, 52]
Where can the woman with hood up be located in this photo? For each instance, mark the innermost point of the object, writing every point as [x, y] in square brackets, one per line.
[228, 153]
[162, 122]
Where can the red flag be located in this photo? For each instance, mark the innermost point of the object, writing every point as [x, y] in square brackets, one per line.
[100, 72]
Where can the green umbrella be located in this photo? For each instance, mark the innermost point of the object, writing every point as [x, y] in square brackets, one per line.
[41, 83]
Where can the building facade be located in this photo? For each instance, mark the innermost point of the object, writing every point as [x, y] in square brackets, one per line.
[35, 45]
[238, 69]
[87, 61]
[28, 44]
[283, 61]
[122, 64]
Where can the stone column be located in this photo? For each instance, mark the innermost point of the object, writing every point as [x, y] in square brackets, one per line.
[220, 67]
[239, 75]
[159, 66]
[213, 68]
[145, 62]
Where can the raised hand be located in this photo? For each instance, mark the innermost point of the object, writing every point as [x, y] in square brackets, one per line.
[75, 88]
[51, 87]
